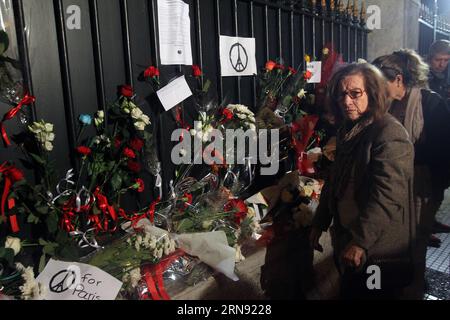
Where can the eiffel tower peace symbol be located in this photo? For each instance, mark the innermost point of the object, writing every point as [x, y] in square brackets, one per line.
[238, 57]
[62, 281]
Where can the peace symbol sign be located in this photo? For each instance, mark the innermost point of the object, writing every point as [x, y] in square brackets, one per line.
[60, 282]
[238, 57]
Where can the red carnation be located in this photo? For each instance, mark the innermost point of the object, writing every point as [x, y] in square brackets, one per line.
[14, 174]
[126, 91]
[129, 153]
[136, 144]
[240, 209]
[134, 166]
[292, 70]
[196, 71]
[227, 113]
[151, 72]
[139, 185]
[85, 151]
[308, 75]
[270, 65]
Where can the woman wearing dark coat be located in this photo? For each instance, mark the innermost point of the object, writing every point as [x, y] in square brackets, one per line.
[426, 117]
[368, 195]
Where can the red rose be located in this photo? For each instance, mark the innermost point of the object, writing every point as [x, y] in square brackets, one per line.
[134, 166]
[151, 72]
[14, 174]
[126, 91]
[196, 71]
[270, 65]
[187, 199]
[228, 114]
[308, 75]
[85, 151]
[139, 186]
[129, 153]
[292, 70]
[136, 144]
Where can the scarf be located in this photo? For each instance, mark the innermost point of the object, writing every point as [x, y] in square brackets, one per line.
[414, 115]
[348, 140]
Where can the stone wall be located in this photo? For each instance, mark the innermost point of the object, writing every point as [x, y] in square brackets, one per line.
[399, 27]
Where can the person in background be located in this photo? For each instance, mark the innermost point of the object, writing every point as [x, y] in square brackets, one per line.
[368, 194]
[426, 117]
[438, 59]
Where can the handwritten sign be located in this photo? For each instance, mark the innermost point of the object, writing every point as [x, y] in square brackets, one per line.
[316, 69]
[77, 281]
[237, 56]
[175, 92]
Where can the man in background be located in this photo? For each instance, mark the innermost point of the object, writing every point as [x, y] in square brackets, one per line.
[439, 81]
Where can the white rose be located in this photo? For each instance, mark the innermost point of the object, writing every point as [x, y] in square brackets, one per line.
[50, 137]
[252, 118]
[136, 113]
[48, 127]
[193, 132]
[241, 116]
[145, 119]
[252, 127]
[48, 146]
[13, 243]
[101, 114]
[139, 125]
[301, 94]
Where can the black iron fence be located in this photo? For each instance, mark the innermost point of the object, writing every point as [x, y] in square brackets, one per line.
[432, 26]
[78, 71]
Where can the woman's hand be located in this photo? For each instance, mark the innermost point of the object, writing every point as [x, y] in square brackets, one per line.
[353, 256]
[314, 238]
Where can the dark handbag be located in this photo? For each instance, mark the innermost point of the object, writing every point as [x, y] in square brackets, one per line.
[395, 272]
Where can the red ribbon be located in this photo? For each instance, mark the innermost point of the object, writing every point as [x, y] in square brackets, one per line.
[153, 275]
[107, 210]
[11, 202]
[12, 113]
[151, 210]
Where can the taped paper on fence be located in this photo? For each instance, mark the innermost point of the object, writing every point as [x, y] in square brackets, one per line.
[237, 56]
[211, 248]
[77, 281]
[316, 69]
[174, 93]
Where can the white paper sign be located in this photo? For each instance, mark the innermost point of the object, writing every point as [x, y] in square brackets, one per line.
[316, 69]
[175, 92]
[174, 32]
[77, 281]
[237, 56]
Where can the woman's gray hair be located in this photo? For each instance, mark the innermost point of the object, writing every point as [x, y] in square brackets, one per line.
[405, 62]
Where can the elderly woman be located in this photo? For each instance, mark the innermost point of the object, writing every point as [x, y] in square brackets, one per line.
[426, 118]
[368, 194]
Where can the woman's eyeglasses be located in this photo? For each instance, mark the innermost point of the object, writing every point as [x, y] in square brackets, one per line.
[353, 94]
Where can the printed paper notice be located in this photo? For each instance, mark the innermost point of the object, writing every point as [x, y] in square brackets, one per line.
[174, 27]
[316, 70]
[237, 56]
[77, 281]
[174, 93]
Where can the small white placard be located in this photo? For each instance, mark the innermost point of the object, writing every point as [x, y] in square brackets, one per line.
[77, 281]
[316, 69]
[174, 93]
[237, 56]
[174, 27]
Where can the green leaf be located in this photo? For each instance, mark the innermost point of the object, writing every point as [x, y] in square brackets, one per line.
[42, 263]
[206, 86]
[52, 222]
[33, 219]
[116, 181]
[185, 225]
[42, 209]
[50, 248]
[37, 158]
